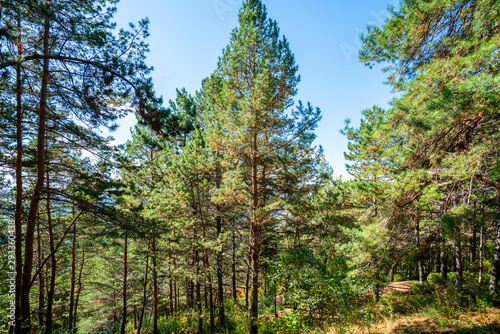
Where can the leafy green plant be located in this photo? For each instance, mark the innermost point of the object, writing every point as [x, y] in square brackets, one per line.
[290, 323]
[435, 278]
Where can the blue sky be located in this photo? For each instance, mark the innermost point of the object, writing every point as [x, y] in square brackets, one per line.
[187, 37]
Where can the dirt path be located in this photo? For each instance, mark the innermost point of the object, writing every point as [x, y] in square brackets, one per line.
[401, 287]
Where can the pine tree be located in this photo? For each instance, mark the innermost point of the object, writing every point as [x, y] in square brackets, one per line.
[247, 100]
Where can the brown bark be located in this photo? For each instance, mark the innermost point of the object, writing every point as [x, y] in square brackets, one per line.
[41, 280]
[495, 273]
[155, 287]
[73, 278]
[171, 290]
[442, 255]
[481, 244]
[247, 280]
[25, 310]
[458, 260]
[199, 307]
[233, 264]
[52, 284]
[417, 241]
[125, 270]
[78, 291]
[255, 242]
[19, 184]
[144, 295]
[220, 282]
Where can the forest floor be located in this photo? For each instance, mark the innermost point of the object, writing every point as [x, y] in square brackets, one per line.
[487, 322]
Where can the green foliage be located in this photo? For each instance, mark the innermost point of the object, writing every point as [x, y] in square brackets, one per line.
[293, 322]
[435, 278]
[399, 278]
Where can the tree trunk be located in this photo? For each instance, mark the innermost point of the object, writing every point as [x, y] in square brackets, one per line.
[155, 289]
[481, 244]
[73, 278]
[176, 292]
[199, 307]
[473, 248]
[171, 290]
[19, 189]
[50, 294]
[442, 255]
[41, 280]
[495, 273]
[458, 260]
[144, 295]
[247, 280]
[255, 242]
[25, 310]
[417, 241]
[220, 283]
[233, 264]
[125, 271]
[391, 272]
[78, 291]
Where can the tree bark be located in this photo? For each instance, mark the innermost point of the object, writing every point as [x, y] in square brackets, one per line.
[220, 282]
[73, 279]
[25, 310]
[144, 295]
[458, 260]
[233, 263]
[125, 271]
[495, 272]
[442, 255]
[78, 291]
[391, 272]
[255, 242]
[50, 293]
[417, 241]
[481, 244]
[155, 288]
[473, 248]
[41, 280]
[171, 290]
[199, 306]
[19, 186]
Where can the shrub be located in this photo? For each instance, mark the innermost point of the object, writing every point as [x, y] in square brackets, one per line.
[292, 322]
[398, 278]
[435, 278]
[452, 277]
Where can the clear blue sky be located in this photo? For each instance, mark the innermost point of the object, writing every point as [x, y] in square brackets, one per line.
[187, 37]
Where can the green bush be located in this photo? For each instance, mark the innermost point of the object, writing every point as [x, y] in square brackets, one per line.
[398, 278]
[435, 278]
[289, 323]
[452, 277]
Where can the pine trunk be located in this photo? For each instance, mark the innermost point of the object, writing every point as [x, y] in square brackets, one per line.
[73, 278]
[25, 310]
[144, 295]
[442, 256]
[220, 283]
[155, 289]
[458, 261]
[125, 271]
[481, 244]
[495, 273]
[19, 187]
[50, 293]
[41, 280]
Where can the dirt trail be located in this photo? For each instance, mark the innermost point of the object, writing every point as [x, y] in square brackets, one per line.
[401, 287]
